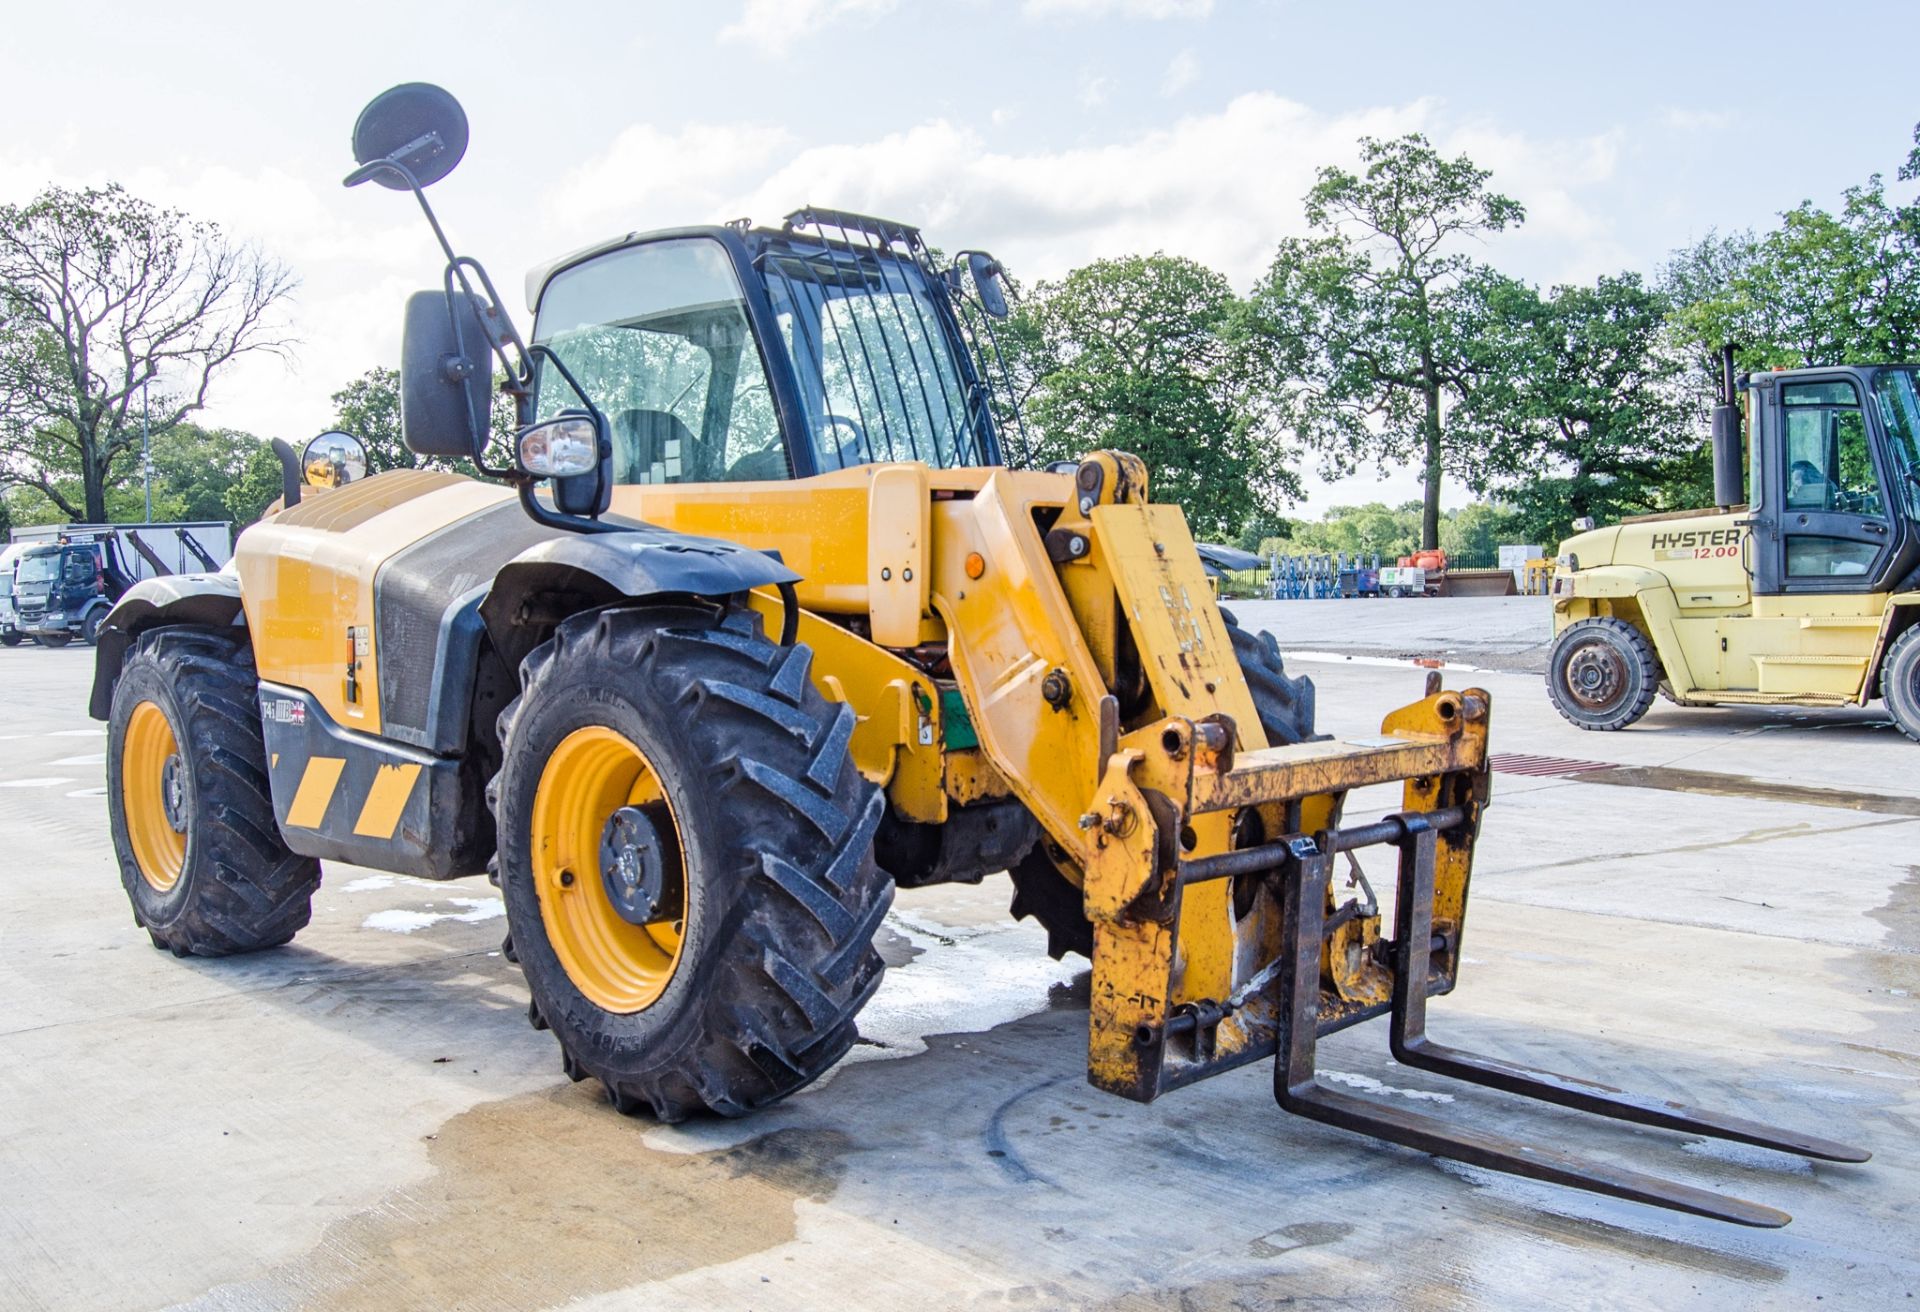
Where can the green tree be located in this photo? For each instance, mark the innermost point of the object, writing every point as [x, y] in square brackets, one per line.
[1364, 333]
[369, 408]
[1474, 534]
[109, 304]
[257, 486]
[1582, 405]
[1361, 530]
[1130, 353]
[1823, 287]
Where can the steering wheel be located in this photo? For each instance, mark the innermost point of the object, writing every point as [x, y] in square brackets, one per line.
[859, 439]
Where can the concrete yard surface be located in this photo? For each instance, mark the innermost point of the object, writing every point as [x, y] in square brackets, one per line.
[364, 1119]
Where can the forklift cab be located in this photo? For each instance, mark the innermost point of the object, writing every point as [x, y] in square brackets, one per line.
[1835, 473]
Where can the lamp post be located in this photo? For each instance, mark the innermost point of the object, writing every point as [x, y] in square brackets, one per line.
[146, 451]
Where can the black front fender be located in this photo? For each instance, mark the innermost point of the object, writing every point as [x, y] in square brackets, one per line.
[208, 600]
[564, 575]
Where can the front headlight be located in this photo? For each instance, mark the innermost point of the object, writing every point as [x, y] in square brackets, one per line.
[560, 448]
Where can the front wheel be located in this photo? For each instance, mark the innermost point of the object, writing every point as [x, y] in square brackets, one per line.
[1900, 682]
[686, 854]
[10, 637]
[90, 626]
[53, 639]
[1602, 674]
[192, 816]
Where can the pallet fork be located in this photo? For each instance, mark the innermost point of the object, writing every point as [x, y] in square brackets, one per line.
[1298, 1090]
[1327, 967]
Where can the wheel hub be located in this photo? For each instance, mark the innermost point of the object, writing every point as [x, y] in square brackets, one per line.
[633, 866]
[1596, 675]
[173, 792]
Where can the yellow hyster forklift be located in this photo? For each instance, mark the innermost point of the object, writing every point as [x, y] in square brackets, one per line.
[754, 622]
[1808, 596]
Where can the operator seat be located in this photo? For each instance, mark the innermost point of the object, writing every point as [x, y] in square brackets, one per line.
[650, 446]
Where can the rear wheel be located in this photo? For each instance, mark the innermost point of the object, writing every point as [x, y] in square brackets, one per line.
[1602, 674]
[1900, 682]
[1286, 709]
[686, 854]
[193, 826]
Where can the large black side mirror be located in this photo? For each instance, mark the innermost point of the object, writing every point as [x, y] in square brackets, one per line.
[446, 375]
[989, 281]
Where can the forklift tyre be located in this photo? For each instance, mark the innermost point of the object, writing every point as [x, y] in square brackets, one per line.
[1900, 682]
[1602, 674]
[686, 855]
[192, 815]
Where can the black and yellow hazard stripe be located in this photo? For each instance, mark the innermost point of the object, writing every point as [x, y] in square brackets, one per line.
[347, 796]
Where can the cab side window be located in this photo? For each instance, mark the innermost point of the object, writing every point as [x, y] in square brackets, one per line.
[1829, 471]
[1829, 466]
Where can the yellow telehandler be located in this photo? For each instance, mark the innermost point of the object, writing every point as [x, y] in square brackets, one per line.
[753, 624]
[1807, 593]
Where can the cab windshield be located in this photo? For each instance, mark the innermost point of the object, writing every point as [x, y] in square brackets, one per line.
[871, 351]
[1897, 392]
[40, 567]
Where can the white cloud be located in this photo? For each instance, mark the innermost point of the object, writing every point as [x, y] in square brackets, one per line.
[772, 26]
[689, 171]
[1221, 187]
[1696, 120]
[1094, 90]
[1082, 9]
[1183, 70]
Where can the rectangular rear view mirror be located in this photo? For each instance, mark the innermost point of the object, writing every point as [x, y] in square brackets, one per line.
[446, 375]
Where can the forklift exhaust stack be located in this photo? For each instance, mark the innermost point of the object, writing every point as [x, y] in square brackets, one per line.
[1728, 458]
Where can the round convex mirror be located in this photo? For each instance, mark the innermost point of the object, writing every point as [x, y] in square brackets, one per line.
[417, 124]
[334, 459]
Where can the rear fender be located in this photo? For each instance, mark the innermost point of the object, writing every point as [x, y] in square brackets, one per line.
[548, 582]
[1903, 612]
[207, 600]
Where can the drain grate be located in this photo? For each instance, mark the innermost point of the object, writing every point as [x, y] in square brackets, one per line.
[1543, 766]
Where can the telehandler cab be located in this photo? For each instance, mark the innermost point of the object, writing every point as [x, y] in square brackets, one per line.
[1806, 593]
[756, 624]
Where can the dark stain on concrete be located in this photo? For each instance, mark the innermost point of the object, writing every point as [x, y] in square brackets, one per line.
[572, 1195]
[1714, 784]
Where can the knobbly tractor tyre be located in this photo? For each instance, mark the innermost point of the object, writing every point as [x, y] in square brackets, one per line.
[1602, 674]
[1286, 708]
[1900, 682]
[193, 827]
[686, 855]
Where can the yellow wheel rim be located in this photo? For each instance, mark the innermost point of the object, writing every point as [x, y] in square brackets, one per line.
[153, 796]
[617, 965]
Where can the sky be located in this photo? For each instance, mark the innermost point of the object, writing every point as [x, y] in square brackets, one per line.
[1052, 132]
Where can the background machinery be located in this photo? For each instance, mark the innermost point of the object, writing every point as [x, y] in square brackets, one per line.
[1806, 594]
[754, 624]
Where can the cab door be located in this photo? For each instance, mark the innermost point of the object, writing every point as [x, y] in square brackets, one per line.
[1823, 538]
